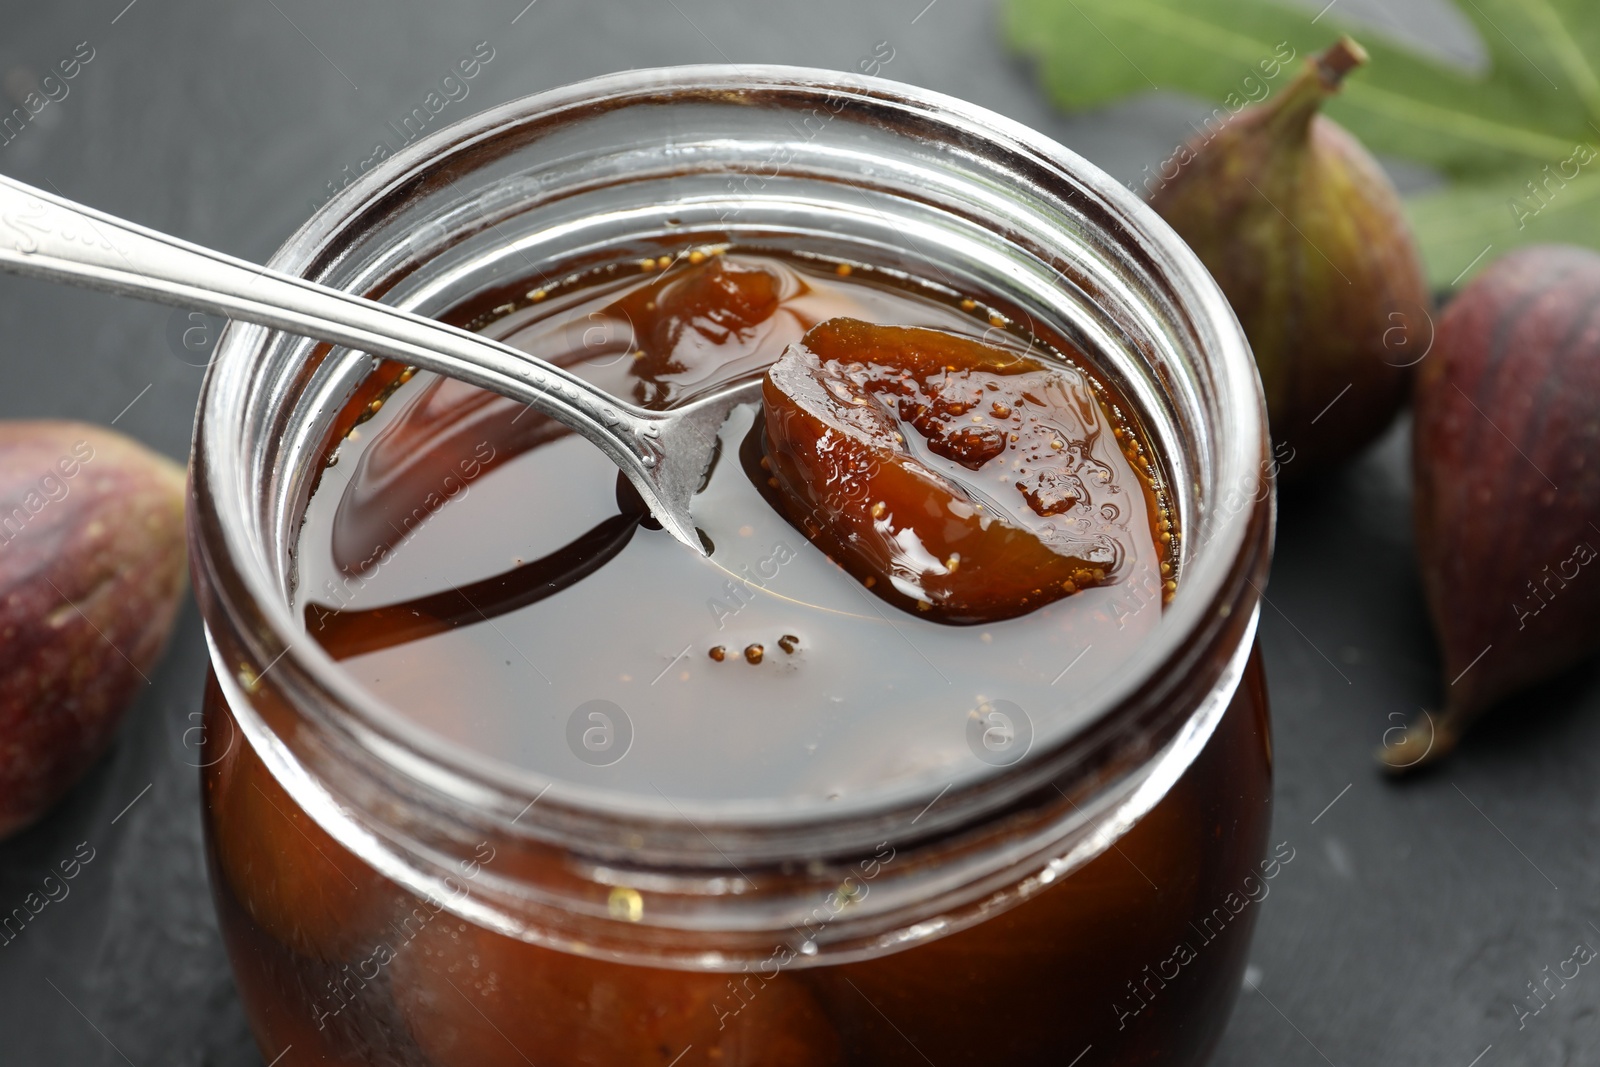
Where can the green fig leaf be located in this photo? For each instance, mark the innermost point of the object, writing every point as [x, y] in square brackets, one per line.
[1538, 100]
[1463, 227]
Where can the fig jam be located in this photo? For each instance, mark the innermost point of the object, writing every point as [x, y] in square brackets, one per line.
[994, 532]
[465, 557]
[845, 409]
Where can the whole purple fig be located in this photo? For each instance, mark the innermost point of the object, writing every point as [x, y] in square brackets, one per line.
[1306, 236]
[1507, 503]
[91, 569]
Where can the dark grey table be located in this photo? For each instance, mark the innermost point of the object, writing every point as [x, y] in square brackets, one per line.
[1413, 916]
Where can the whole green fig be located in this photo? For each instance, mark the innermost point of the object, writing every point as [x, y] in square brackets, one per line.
[1507, 500]
[1304, 233]
[91, 569]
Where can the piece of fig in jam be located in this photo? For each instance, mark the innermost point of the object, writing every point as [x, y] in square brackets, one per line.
[683, 323]
[955, 478]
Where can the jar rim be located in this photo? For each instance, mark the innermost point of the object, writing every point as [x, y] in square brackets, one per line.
[244, 558]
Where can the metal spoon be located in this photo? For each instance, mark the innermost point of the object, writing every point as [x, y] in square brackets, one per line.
[665, 454]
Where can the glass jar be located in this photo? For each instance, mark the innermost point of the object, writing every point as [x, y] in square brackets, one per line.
[389, 898]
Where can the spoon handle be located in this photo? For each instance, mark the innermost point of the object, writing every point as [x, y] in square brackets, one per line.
[51, 237]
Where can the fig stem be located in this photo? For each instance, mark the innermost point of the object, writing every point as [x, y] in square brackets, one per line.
[1343, 56]
[1422, 745]
[1322, 77]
